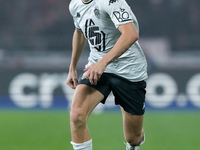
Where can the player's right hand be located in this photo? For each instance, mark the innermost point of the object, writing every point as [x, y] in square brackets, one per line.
[72, 80]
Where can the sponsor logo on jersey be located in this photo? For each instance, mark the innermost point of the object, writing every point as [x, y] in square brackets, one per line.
[78, 15]
[97, 12]
[122, 15]
[112, 1]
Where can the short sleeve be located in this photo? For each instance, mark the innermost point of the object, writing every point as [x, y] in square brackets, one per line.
[76, 24]
[74, 14]
[119, 12]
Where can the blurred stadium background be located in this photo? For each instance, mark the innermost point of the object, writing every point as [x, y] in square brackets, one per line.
[35, 50]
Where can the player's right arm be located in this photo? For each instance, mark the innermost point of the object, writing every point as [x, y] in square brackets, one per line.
[78, 44]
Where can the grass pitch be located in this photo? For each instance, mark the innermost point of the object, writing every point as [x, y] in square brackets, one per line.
[51, 131]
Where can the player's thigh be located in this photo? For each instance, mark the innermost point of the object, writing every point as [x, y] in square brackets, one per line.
[132, 124]
[85, 99]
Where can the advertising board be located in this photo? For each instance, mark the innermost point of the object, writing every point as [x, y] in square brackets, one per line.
[38, 89]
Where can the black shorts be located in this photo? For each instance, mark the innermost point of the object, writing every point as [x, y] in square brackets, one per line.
[129, 95]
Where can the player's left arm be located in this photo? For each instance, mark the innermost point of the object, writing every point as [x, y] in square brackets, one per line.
[129, 36]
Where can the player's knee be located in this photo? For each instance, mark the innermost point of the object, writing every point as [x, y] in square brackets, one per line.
[134, 140]
[77, 119]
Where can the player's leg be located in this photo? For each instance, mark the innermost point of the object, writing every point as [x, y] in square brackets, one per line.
[85, 100]
[131, 97]
[133, 128]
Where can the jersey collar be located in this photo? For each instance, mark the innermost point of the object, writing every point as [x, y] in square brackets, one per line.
[87, 2]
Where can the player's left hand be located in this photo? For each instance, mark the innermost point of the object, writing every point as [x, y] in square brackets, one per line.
[94, 72]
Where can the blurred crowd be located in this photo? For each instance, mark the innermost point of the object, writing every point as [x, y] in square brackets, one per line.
[33, 25]
[47, 24]
[177, 20]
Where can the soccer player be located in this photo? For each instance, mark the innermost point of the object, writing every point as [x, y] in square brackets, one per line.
[116, 63]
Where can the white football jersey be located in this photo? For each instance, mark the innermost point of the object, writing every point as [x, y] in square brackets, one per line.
[99, 21]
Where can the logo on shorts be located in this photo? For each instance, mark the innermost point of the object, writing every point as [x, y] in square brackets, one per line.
[143, 106]
[122, 15]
